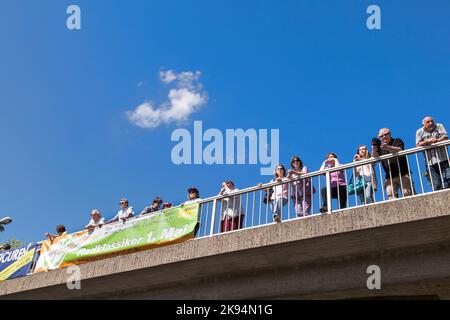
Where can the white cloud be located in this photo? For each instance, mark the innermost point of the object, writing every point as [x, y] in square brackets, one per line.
[185, 99]
[145, 116]
[167, 76]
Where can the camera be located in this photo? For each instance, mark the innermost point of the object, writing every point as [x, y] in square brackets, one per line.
[376, 143]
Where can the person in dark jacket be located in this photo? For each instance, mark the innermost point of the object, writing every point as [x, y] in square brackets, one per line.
[397, 173]
[156, 206]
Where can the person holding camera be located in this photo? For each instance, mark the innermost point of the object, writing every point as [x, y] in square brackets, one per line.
[232, 214]
[396, 169]
[436, 158]
[366, 172]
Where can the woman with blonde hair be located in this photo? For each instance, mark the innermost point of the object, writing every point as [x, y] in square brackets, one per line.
[278, 195]
[366, 172]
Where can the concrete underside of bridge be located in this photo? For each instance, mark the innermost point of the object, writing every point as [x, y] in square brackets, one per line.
[319, 257]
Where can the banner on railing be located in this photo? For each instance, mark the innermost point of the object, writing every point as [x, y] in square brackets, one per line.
[16, 262]
[166, 227]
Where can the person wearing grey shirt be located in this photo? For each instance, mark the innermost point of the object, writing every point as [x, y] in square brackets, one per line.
[436, 158]
[156, 206]
[96, 220]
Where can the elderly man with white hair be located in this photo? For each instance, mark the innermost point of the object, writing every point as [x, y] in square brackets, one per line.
[398, 175]
[437, 158]
[96, 220]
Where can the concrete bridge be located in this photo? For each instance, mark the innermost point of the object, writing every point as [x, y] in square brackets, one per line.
[320, 257]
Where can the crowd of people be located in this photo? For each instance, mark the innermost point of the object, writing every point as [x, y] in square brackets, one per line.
[364, 181]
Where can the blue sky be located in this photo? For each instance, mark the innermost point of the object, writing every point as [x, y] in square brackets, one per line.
[308, 68]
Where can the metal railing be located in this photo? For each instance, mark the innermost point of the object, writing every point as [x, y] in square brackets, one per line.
[306, 195]
[316, 192]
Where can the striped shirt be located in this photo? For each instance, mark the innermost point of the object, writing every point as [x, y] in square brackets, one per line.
[435, 155]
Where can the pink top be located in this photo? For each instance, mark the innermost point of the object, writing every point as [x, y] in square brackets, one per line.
[280, 191]
[336, 177]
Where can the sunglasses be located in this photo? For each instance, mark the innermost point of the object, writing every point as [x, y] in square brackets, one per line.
[384, 135]
[122, 203]
[295, 160]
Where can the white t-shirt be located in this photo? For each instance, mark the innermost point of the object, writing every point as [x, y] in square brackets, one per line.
[280, 191]
[124, 213]
[231, 206]
[368, 173]
[365, 171]
[192, 201]
[97, 223]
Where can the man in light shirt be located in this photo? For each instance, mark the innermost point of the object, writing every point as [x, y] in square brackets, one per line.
[124, 213]
[96, 221]
[437, 158]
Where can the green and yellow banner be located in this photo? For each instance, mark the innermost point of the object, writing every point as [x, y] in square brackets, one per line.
[149, 231]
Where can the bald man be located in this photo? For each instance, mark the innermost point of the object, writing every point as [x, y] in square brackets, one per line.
[436, 158]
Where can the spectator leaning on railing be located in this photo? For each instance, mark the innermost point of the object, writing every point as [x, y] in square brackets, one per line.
[396, 169]
[277, 196]
[232, 214]
[124, 213]
[437, 158]
[337, 183]
[97, 221]
[366, 172]
[60, 229]
[193, 195]
[156, 206]
[301, 189]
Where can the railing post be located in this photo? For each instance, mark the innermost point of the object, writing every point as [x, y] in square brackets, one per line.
[328, 180]
[213, 217]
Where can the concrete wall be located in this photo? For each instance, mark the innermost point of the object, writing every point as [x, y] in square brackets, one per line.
[323, 256]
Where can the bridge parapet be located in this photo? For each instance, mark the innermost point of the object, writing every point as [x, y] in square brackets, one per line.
[323, 256]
